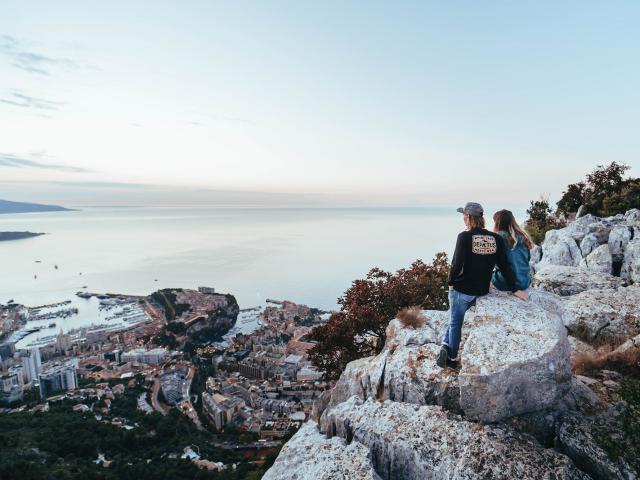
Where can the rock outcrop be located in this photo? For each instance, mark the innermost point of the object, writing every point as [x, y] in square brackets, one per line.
[603, 315]
[564, 280]
[513, 410]
[515, 359]
[309, 454]
[596, 244]
[409, 441]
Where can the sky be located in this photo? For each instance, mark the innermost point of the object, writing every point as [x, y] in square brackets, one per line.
[313, 103]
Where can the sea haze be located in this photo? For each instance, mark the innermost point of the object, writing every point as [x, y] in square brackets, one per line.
[306, 255]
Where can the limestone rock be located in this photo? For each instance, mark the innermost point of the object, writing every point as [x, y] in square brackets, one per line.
[405, 370]
[599, 260]
[604, 314]
[310, 455]
[618, 239]
[600, 230]
[560, 248]
[536, 255]
[320, 405]
[515, 359]
[630, 269]
[412, 442]
[588, 244]
[577, 441]
[514, 355]
[632, 217]
[565, 280]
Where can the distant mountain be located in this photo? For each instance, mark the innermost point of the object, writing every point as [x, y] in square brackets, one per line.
[7, 206]
[17, 235]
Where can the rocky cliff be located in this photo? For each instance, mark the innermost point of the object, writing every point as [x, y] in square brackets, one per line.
[514, 409]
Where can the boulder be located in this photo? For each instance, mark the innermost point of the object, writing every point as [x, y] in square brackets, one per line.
[560, 247]
[515, 359]
[576, 439]
[536, 255]
[618, 239]
[310, 455]
[630, 270]
[405, 370]
[564, 280]
[412, 442]
[600, 230]
[514, 355]
[588, 244]
[604, 315]
[632, 217]
[599, 260]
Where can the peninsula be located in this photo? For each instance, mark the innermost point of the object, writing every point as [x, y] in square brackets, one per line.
[7, 206]
[17, 235]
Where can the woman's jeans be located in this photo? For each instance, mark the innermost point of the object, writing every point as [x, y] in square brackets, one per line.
[459, 303]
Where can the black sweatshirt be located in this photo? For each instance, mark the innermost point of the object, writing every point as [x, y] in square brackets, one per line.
[477, 253]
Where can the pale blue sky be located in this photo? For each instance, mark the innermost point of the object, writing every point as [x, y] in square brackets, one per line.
[347, 102]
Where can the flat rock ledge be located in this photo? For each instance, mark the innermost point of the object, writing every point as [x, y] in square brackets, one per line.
[603, 315]
[409, 441]
[515, 359]
[567, 280]
[311, 455]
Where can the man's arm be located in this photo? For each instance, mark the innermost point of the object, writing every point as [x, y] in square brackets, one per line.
[458, 259]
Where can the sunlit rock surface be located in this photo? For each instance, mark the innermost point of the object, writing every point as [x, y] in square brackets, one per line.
[311, 455]
[409, 441]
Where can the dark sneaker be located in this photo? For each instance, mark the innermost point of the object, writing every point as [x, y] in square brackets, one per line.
[452, 363]
[443, 356]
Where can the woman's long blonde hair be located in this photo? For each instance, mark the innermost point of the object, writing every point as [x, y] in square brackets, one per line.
[504, 221]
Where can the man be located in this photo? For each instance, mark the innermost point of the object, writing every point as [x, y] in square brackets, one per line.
[477, 253]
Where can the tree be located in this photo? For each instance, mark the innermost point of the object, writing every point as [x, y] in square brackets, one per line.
[602, 183]
[572, 198]
[601, 193]
[626, 199]
[359, 328]
[540, 220]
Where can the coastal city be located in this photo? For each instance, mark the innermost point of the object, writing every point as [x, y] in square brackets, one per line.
[195, 352]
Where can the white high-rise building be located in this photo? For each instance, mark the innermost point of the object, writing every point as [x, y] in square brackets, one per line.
[31, 364]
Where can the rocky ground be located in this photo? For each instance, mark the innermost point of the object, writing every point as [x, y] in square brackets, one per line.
[515, 409]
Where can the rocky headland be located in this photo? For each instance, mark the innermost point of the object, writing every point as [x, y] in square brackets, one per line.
[7, 206]
[5, 236]
[516, 408]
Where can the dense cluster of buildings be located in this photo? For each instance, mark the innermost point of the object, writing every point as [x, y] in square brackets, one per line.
[262, 382]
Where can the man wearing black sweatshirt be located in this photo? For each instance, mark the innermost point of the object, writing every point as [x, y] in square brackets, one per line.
[477, 253]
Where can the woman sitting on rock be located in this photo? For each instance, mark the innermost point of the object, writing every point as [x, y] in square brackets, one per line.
[518, 244]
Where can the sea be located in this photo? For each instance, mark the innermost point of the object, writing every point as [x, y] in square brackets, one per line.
[307, 255]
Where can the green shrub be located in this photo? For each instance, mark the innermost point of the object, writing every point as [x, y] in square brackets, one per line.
[604, 192]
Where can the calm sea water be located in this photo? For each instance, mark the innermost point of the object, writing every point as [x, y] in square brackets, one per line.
[306, 255]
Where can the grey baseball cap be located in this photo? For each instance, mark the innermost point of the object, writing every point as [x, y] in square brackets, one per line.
[472, 208]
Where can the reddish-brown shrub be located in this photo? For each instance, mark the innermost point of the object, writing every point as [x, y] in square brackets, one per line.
[359, 329]
[626, 362]
[411, 317]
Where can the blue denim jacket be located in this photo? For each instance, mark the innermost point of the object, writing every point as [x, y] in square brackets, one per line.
[518, 258]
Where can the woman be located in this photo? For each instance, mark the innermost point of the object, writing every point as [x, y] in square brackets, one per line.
[518, 244]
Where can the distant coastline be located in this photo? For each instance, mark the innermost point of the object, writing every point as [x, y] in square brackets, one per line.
[4, 236]
[7, 206]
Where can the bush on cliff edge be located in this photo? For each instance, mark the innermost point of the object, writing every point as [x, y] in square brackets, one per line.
[358, 329]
